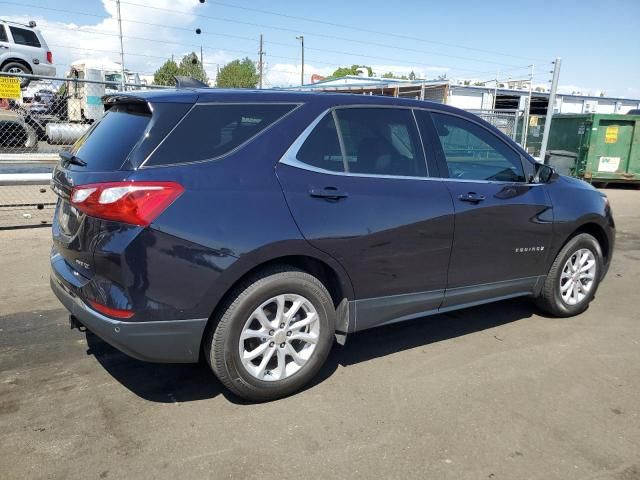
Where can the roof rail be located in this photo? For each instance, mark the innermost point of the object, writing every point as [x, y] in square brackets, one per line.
[31, 24]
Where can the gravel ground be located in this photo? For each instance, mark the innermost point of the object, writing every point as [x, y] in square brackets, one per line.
[493, 392]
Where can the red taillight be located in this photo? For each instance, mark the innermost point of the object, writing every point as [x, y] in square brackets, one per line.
[49, 57]
[111, 312]
[137, 203]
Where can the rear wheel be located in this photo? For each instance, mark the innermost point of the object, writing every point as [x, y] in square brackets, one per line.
[18, 68]
[272, 335]
[573, 278]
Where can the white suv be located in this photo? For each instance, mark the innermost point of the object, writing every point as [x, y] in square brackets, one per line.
[23, 50]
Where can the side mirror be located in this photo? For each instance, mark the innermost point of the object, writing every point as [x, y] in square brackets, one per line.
[543, 174]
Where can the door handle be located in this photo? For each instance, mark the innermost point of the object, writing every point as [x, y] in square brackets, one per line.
[471, 197]
[328, 193]
[4, 46]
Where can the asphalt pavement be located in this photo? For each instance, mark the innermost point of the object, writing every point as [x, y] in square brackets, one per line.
[493, 392]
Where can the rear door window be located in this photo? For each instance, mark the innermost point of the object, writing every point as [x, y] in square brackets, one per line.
[107, 144]
[321, 149]
[211, 131]
[3, 34]
[22, 36]
[381, 141]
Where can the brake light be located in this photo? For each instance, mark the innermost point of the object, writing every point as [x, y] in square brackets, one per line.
[111, 312]
[49, 57]
[136, 203]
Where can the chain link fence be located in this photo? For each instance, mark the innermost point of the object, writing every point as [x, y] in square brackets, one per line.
[504, 120]
[49, 116]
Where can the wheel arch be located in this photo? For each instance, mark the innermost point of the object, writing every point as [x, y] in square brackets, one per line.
[327, 270]
[17, 60]
[597, 232]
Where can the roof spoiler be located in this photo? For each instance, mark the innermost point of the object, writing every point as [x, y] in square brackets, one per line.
[138, 103]
[188, 82]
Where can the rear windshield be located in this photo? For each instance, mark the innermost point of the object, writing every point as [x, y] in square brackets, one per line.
[210, 131]
[108, 143]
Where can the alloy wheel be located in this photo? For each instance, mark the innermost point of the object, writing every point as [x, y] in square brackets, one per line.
[578, 276]
[279, 337]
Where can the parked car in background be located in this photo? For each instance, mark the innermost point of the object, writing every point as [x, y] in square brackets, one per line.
[634, 111]
[15, 132]
[250, 228]
[24, 50]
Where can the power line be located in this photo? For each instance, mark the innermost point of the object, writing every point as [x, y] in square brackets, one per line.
[217, 18]
[349, 27]
[356, 54]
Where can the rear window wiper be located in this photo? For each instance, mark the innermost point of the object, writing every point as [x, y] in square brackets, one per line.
[70, 158]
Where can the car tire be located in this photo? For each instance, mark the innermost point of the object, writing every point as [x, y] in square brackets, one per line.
[573, 278]
[251, 320]
[17, 67]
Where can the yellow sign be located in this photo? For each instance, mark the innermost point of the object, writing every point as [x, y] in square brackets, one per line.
[611, 134]
[9, 87]
[533, 121]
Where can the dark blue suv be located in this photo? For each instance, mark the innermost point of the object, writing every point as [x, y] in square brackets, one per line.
[252, 228]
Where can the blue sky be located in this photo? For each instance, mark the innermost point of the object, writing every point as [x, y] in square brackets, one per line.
[464, 39]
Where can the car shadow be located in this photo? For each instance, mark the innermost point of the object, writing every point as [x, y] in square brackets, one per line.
[166, 383]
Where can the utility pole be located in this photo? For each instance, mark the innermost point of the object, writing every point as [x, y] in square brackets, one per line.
[527, 112]
[550, 106]
[301, 38]
[201, 62]
[260, 62]
[122, 80]
[495, 91]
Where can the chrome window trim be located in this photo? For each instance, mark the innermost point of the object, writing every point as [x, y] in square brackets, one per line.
[296, 105]
[290, 156]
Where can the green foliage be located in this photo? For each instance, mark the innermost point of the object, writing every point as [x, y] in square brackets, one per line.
[412, 75]
[392, 75]
[189, 66]
[164, 75]
[352, 70]
[238, 74]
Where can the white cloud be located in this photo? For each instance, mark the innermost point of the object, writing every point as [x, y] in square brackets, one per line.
[100, 42]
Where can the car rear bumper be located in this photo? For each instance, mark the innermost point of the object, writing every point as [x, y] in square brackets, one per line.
[166, 341]
[44, 69]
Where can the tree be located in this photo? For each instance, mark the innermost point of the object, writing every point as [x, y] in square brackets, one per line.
[352, 70]
[392, 75]
[164, 75]
[238, 74]
[190, 66]
[412, 75]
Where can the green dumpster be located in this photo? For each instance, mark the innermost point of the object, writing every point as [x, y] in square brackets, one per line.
[607, 146]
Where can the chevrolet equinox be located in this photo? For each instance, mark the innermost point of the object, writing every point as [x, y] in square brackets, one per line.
[252, 228]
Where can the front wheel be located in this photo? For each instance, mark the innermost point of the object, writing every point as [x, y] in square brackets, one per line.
[273, 334]
[573, 278]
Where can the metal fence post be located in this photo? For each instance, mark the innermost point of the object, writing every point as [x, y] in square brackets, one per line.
[123, 80]
[550, 107]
